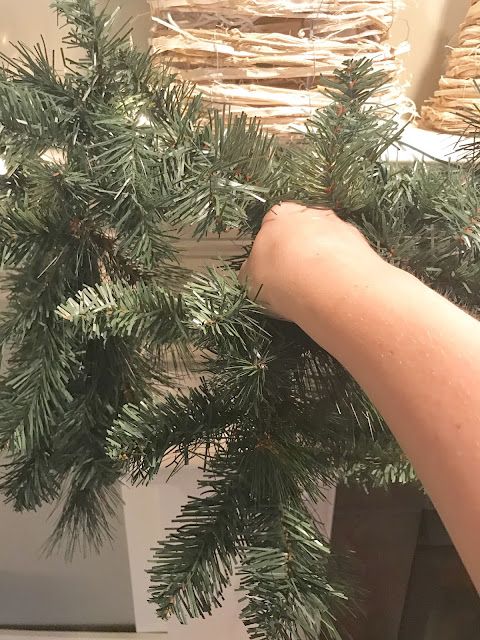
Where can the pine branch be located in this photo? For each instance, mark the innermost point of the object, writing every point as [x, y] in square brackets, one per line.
[175, 110]
[425, 221]
[90, 504]
[28, 482]
[91, 32]
[186, 425]
[211, 309]
[35, 391]
[346, 140]
[89, 500]
[34, 68]
[35, 223]
[375, 464]
[90, 217]
[33, 121]
[233, 169]
[284, 574]
[143, 311]
[194, 564]
[220, 312]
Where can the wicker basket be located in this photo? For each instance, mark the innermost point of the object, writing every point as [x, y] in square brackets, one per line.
[264, 57]
[458, 95]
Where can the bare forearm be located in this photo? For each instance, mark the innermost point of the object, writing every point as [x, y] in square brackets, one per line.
[416, 355]
[418, 358]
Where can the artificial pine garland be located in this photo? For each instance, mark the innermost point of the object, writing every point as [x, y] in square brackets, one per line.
[107, 164]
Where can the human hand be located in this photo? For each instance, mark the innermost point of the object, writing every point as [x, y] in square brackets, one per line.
[300, 253]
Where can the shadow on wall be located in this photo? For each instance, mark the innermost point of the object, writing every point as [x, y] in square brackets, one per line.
[452, 16]
[48, 602]
[429, 26]
[139, 13]
[39, 591]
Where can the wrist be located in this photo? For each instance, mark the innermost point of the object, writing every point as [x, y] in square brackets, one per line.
[330, 301]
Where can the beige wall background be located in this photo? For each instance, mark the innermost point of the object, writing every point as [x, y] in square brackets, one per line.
[96, 591]
[430, 26]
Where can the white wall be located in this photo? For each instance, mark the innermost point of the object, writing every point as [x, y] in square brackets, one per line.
[46, 591]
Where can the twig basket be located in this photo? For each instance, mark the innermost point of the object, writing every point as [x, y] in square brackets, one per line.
[458, 95]
[264, 57]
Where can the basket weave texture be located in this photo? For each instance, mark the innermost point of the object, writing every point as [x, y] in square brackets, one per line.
[458, 94]
[264, 57]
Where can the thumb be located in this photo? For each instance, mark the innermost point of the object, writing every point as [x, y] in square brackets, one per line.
[243, 273]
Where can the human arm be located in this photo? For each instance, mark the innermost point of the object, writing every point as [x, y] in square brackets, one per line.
[414, 353]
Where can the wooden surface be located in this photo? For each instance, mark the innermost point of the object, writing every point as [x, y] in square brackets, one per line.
[381, 529]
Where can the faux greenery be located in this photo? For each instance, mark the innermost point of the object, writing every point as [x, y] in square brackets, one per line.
[107, 163]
